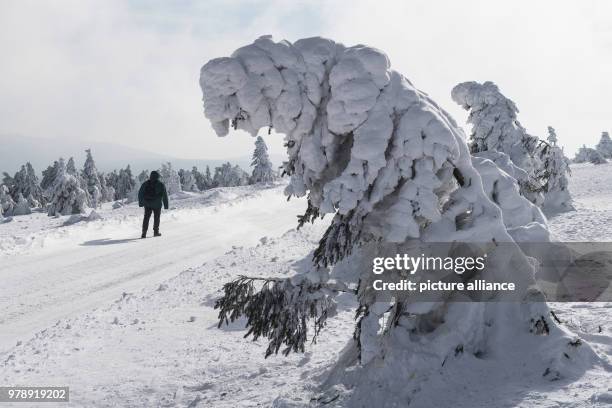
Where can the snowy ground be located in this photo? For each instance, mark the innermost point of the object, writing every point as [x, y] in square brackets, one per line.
[130, 323]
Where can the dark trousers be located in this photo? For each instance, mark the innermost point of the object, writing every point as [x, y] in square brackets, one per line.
[147, 215]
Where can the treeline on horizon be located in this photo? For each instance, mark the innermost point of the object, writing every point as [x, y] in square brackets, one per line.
[65, 190]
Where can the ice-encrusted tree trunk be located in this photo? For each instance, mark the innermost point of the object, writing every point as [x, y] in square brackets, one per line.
[171, 178]
[262, 166]
[92, 180]
[395, 173]
[496, 129]
[67, 196]
[604, 147]
[555, 169]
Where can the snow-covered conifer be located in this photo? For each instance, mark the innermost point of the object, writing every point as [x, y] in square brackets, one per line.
[199, 179]
[108, 192]
[71, 167]
[125, 183]
[22, 207]
[188, 181]
[142, 177]
[32, 190]
[7, 204]
[72, 170]
[604, 147]
[49, 176]
[170, 177]
[495, 128]
[395, 173]
[554, 171]
[92, 180]
[18, 183]
[589, 155]
[262, 166]
[25, 183]
[208, 180]
[227, 175]
[7, 180]
[67, 196]
[112, 181]
[552, 136]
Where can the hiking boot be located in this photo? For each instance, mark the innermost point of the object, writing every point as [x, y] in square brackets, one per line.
[157, 234]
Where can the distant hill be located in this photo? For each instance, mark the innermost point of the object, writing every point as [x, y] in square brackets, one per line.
[16, 150]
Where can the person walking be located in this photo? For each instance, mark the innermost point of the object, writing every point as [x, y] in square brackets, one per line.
[151, 195]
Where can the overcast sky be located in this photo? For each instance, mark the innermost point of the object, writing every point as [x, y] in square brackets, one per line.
[127, 71]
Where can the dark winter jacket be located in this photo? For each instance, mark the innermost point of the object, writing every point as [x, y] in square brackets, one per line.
[153, 192]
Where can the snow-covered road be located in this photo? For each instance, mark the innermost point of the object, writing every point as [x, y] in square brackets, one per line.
[91, 266]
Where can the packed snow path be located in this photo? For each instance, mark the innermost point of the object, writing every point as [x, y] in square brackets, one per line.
[86, 266]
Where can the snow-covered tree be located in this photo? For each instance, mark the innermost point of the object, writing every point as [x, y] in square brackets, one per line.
[18, 183]
[7, 204]
[22, 207]
[555, 169]
[589, 155]
[203, 180]
[25, 183]
[71, 167]
[262, 166]
[208, 179]
[125, 183]
[604, 147]
[33, 191]
[552, 136]
[72, 170]
[495, 128]
[107, 192]
[394, 171]
[49, 176]
[188, 181]
[142, 177]
[170, 177]
[92, 181]
[67, 196]
[7, 180]
[227, 175]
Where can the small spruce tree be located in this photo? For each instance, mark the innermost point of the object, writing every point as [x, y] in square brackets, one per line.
[604, 147]
[262, 166]
[496, 129]
[22, 207]
[92, 181]
[170, 177]
[67, 195]
[555, 171]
